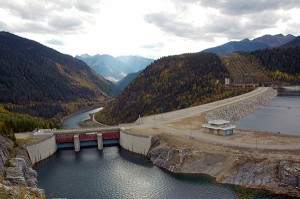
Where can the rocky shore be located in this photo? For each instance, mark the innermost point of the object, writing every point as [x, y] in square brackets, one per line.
[239, 110]
[18, 179]
[271, 170]
[228, 165]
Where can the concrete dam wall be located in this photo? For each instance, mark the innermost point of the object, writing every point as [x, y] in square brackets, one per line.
[42, 150]
[136, 143]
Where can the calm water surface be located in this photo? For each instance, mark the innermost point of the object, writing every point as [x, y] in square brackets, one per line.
[282, 115]
[72, 122]
[117, 173]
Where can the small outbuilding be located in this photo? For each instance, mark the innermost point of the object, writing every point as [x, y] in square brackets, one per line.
[219, 127]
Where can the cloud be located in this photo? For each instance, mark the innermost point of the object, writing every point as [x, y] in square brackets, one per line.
[170, 24]
[232, 19]
[238, 7]
[3, 26]
[89, 6]
[55, 16]
[153, 45]
[55, 42]
[67, 23]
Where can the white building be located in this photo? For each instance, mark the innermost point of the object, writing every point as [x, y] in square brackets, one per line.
[219, 127]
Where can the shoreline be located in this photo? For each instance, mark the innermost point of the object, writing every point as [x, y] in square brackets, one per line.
[80, 111]
[258, 167]
[226, 164]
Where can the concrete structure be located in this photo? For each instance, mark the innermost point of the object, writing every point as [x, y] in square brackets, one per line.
[227, 81]
[136, 143]
[76, 143]
[85, 137]
[219, 127]
[42, 150]
[100, 141]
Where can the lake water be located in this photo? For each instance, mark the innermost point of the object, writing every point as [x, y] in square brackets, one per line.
[282, 115]
[72, 121]
[117, 173]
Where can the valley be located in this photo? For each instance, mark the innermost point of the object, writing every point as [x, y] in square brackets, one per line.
[169, 100]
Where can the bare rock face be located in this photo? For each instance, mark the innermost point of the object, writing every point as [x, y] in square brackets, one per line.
[19, 174]
[20, 192]
[166, 157]
[253, 173]
[5, 144]
[289, 173]
[280, 177]
[184, 160]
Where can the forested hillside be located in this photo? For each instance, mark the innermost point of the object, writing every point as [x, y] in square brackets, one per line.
[127, 80]
[11, 123]
[281, 64]
[40, 81]
[294, 43]
[170, 83]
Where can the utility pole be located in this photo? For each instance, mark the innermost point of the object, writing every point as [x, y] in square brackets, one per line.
[190, 131]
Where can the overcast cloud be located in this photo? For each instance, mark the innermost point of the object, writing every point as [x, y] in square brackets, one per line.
[149, 28]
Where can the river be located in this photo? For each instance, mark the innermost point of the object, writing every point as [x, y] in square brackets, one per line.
[282, 115]
[72, 121]
[117, 173]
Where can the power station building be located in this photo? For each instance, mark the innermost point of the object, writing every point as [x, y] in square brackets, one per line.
[219, 127]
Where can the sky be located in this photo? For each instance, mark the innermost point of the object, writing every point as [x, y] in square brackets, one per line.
[150, 28]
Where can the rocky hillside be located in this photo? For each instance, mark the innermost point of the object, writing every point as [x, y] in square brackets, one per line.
[170, 83]
[17, 178]
[38, 80]
[230, 165]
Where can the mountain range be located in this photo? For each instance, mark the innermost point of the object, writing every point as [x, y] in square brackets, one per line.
[40, 81]
[123, 83]
[181, 81]
[246, 45]
[170, 83]
[115, 68]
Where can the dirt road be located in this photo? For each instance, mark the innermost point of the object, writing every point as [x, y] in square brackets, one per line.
[164, 123]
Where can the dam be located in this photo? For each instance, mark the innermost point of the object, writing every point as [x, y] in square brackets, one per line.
[114, 168]
[91, 137]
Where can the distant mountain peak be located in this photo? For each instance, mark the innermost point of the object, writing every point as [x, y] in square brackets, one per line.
[114, 68]
[246, 45]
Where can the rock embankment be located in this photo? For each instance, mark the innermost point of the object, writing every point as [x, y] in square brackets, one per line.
[238, 168]
[240, 109]
[16, 172]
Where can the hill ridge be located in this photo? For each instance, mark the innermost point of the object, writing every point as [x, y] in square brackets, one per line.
[34, 76]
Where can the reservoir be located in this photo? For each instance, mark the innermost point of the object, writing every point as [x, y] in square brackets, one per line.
[72, 121]
[282, 115]
[117, 173]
